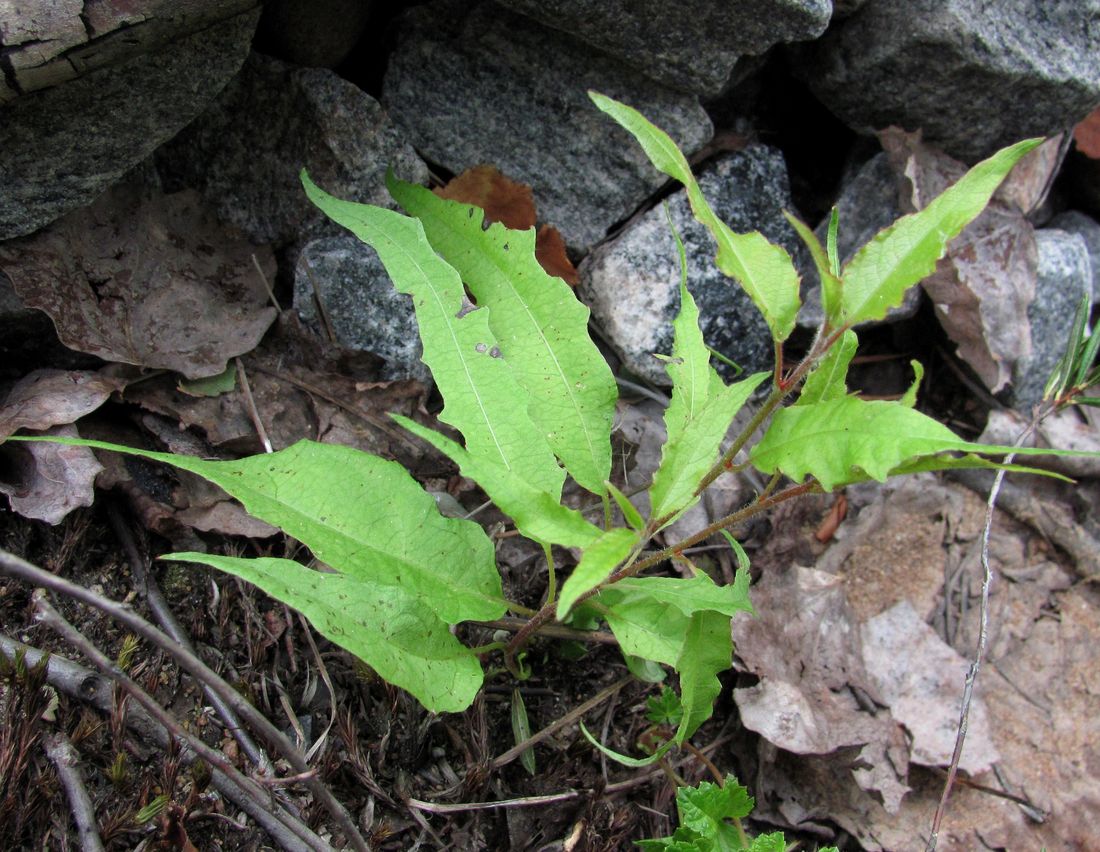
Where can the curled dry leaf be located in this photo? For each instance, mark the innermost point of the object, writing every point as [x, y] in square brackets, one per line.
[47, 481]
[46, 398]
[984, 284]
[1086, 135]
[154, 282]
[512, 204]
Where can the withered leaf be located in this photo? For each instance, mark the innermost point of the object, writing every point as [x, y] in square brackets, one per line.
[1086, 135]
[47, 481]
[513, 205]
[150, 281]
[46, 398]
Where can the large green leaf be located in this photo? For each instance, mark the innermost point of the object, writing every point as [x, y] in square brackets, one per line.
[763, 269]
[389, 630]
[597, 561]
[537, 514]
[540, 326]
[697, 418]
[898, 257]
[478, 388]
[847, 439]
[364, 516]
[693, 594]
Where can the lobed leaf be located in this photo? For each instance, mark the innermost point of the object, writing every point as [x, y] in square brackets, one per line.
[388, 629]
[844, 440]
[763, 269]
[537, 514]
[478, 388]
[364, 516]
[899, 256]
[698, 416]
[540, 327]
[707, 650]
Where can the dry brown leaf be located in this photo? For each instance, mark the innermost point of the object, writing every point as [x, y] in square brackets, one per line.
[47, 481]
[153, 282]
[1086, 135]
[46, 398]
[983, 286]
[513, 205]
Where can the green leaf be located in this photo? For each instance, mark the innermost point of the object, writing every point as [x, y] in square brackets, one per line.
[540, 327]
[705, 808]
[597, 561]
[827, 380]
[521, 730]
[646, 671]
[830, 284]
[764, 270]
[478, 388]
[690, 595]
[773, 842]
[742, 558]
[707, 650]
[630, 512]
[839, 441]
[223, 382]
[626, 760]
[831, 242]
[362, 515]
[697, 418]
[664, 708]
[537, 514]
[899, 256]
[389, 629]
[909, 398]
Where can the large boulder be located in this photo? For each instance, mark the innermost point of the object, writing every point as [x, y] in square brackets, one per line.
[697, 51]
[973, 76]
[246, 151]
[487, 86]
[633, 282]
[92, 89]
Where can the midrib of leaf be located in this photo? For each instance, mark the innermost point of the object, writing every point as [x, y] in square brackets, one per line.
[455, 231]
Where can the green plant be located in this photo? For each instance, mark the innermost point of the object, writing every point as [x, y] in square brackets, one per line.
[533, 400]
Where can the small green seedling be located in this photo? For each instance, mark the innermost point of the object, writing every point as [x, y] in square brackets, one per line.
[531, 396]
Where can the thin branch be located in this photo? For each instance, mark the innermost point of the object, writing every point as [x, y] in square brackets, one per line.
[66, 761]
[555, 631]
[250, 406]
[20, 568]
[85, 685]
[147, 584]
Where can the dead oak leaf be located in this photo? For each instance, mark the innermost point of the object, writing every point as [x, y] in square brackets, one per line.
[513, 205]
[155, 282]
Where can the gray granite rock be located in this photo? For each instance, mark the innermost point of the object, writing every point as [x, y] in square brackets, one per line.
[974, 76]
[1064, 275]
[245, 152]
[692, 45]
[360, 302]
[62, 146]
[1088, 229]
[632, 283]
[867, 204]
[489, 86]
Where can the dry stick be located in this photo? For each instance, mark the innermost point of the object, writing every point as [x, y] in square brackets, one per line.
[983, 631]
[66, 762]
[155, 599]
[514, 752]
[52, 618]
[16, 567]
[250, 406]
[267, 285]
[81, 683]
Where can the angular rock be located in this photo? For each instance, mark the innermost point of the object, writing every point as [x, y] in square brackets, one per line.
[973, 77]
[360, 303]
[632, 283]
[697, 51]
[867, 204]
[1064, 275]
[488, 86]
[61, 146]
[245, 152]
[1076, 222]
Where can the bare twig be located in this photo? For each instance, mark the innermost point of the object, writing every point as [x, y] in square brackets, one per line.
[20, 568]
[65, 760]
[267, 285]
[983, 634]
[250, 406]
[86, 685]
[556, 631]
[147, 584]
